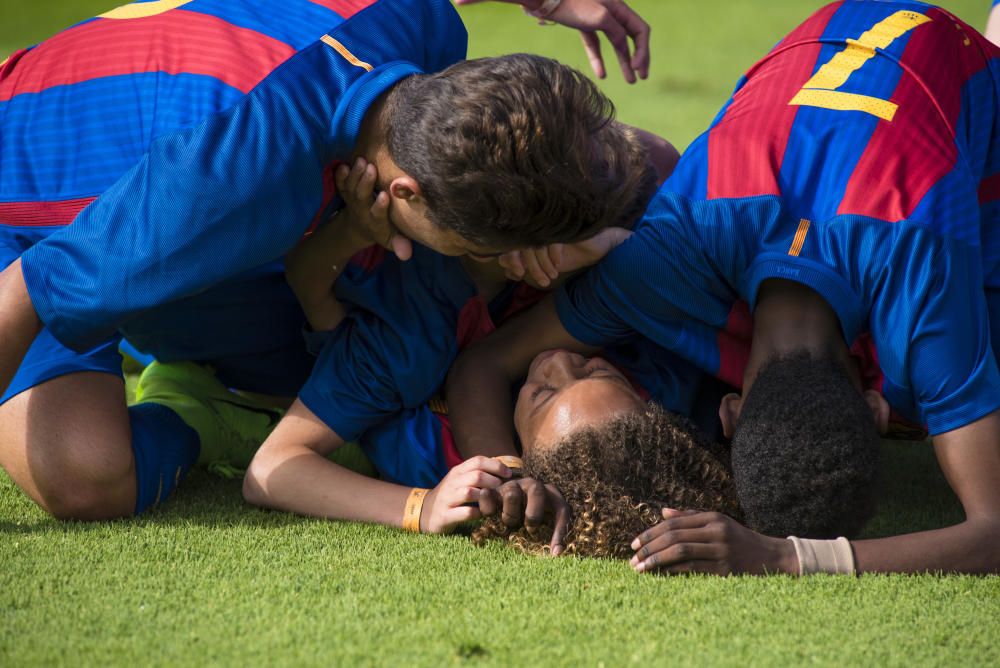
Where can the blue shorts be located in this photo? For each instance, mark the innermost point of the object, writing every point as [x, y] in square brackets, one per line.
[249, 329]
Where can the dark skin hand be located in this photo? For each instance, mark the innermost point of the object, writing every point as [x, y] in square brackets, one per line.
[528, 501]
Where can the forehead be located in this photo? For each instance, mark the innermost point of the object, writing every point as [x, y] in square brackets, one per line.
[585, 403]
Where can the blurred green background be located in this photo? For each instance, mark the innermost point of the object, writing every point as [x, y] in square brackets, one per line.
[699, 47]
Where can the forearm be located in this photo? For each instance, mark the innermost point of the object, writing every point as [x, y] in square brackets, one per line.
[298, 479]
[970, 547]
[18, 321]
[478, 392]
[313, 267]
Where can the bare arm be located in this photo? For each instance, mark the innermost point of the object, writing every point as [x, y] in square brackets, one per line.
[970, 459]
[19, 323]
[291, 472]
[478, 387]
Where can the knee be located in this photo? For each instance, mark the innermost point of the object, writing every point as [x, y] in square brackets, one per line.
[75, 488]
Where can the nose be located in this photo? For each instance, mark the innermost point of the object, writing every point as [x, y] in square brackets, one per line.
[563, 367]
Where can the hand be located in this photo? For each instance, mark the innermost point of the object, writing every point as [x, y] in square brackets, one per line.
[619, 23]
[542, 265]
[614, 18]
[529, 502]
[691, 541]
[367, 212]
[446, 505]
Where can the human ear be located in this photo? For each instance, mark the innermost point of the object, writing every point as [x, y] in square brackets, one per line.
[729, 413]
[404, 187]
[880, 410]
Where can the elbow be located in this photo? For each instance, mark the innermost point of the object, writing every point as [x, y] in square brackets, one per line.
[255, 483]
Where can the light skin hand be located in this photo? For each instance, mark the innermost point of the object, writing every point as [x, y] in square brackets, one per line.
[453, 501]
[546, 267]
[291, 472]
[622, 26]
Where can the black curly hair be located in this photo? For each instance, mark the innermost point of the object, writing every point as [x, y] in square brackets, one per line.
[805, 452]
[617, 477]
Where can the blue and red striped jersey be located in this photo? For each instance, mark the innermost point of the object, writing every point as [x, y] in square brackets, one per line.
[406, 323]
[189, 141]
[860, 157]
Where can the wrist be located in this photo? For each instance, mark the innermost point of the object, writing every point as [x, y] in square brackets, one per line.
[413, 520]
[786, 559]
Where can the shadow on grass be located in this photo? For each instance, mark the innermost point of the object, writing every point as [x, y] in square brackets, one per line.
[914, 497]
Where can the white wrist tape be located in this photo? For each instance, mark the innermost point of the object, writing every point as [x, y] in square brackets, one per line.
[824, 556]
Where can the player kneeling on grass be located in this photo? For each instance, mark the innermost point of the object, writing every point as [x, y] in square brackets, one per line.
[151, 193]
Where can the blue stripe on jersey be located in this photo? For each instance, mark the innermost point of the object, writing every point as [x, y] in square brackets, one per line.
[73, 141]
[294, 22]
[823, 137]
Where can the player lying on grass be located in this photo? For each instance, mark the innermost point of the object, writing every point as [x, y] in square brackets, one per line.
[849, 186]
[388, 334]
[191, 145]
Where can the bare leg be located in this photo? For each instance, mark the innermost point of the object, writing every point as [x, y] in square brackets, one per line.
[67, 444]
[18, 322]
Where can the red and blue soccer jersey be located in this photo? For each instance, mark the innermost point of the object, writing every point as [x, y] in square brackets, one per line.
[861, 158]
[188, 142]
[406, 323]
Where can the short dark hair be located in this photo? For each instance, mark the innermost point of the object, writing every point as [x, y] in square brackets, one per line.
[617, 477]
[517, 151]
[805, 452]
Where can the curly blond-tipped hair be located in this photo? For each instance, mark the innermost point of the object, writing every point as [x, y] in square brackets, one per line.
[618, 477]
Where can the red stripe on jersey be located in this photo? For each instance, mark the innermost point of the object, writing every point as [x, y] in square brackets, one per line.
[329, 192]
[746, 147]
[905, 157]
[452, 457]
[474, 322]
[345, 8]
[989, 189]
[40, 214]
[175, 42]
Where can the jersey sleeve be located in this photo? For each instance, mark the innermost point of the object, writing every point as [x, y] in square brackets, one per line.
[236, 190]
[952, 368]
[369, 370]
[652, 284]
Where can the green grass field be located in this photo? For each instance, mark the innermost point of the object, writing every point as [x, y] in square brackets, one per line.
[205, 579]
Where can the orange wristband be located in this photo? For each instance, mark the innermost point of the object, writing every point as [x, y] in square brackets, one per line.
[411, 512]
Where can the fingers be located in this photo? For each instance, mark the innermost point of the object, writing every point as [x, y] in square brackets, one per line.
[534, 268]
[489, 502]
[592, 46]
[485, 464]
[616, 34]
[666, 540]
[680, 554]
[477, 479]
[639, 31]
[513, 264]
[683, 519]
[562, 517]
[534, 510]
[513, 498]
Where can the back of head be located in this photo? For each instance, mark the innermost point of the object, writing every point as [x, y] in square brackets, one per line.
[618, 477]
[517, 151]
[805, 451]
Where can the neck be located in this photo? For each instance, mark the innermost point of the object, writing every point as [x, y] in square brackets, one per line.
[790, 317]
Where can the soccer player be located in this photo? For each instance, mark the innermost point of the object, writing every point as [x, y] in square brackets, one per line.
[849, 186]
[191, 144]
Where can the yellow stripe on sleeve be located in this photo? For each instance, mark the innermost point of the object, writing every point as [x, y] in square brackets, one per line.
[800, 238]
[143, 9]
[342, 50]
[840, 101]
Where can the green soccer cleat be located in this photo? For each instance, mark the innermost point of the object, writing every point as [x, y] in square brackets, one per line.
[230, 426]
